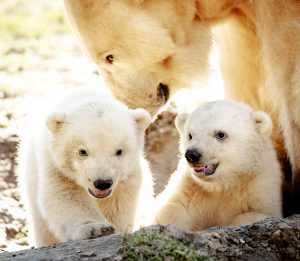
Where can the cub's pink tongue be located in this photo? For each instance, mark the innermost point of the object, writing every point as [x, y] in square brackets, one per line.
[101, 193]
[207, 169]
[199, 168]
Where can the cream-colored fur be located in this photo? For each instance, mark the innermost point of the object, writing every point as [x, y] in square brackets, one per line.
[245, 186]
[57, 180]
[168, 41]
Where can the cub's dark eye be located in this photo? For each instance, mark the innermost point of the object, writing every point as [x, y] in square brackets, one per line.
[190, 136]
[221, 135]
[110, 58]
[83, 153]
[119, 152]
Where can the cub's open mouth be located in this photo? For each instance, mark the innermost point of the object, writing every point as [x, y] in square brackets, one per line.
[100, 193]
[205, 170]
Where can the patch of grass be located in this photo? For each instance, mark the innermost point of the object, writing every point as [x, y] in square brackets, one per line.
[151, 245]
[33, 26]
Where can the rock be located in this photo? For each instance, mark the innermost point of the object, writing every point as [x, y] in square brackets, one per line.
[271, 239]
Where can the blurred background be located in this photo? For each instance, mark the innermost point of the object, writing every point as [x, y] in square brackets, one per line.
[40, 58]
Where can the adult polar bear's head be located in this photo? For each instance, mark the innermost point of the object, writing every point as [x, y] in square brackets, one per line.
[225, 142]
[146, 50]
[97, 144]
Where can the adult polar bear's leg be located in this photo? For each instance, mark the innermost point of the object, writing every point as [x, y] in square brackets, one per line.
[279, 32]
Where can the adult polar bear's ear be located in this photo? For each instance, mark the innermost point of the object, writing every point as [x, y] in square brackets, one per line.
[262, 122]
[142, 119]
[180, 121]
[55, 121]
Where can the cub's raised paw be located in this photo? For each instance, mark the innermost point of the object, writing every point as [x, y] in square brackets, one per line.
[93, 230]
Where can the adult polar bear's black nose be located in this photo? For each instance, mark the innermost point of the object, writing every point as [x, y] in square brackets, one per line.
[192, 155]
[103, 184]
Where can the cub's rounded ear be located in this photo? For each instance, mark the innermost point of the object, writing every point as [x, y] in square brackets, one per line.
[263, 122]
[142, 118]
[55, 121]
[180, 121]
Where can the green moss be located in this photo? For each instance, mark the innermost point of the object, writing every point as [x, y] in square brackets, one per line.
[151, 245]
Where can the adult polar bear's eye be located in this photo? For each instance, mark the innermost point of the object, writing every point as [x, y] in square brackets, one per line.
[83, 153]
[221, 135]
[190, 136]
[110, 58]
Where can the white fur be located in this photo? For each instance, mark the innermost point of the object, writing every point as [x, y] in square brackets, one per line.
[55, 179]
[246, 185]
[168, 41]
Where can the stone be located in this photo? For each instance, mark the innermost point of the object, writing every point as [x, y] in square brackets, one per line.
[271, 239]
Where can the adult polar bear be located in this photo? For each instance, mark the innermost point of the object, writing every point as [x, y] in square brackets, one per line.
[149, 49]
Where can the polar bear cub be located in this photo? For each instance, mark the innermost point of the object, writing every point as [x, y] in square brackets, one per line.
[82, 169]
[229, 174]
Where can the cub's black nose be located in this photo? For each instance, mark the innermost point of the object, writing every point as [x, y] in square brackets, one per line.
[192, 155]
[103, 184]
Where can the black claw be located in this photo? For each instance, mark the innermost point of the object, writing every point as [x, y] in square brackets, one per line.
[163, 92]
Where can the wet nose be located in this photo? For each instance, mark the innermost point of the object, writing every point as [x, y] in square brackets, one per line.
[103, 184]
[192, 155]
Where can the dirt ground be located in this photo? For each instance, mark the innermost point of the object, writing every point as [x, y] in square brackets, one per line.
[39, 58]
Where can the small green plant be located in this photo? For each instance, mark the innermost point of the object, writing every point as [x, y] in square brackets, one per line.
[151, 245]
